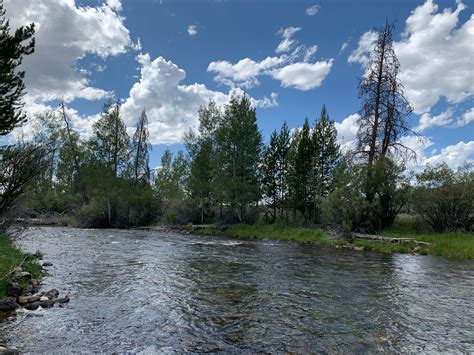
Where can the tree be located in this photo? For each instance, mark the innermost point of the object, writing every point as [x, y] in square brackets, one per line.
[140, 149]
[12, 88]
[239, 145]
[109, 147]
[110, 142]
[275, 170]
[327, 154]
[269, 171]
[444, 197]
[300, 176]
[385, 110]
[201, 149]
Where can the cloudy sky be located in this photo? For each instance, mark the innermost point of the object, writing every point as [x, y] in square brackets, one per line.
[291, 57]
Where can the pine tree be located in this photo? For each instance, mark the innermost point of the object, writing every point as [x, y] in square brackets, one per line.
[269, 169]
[327, 154]
[12, 87]
[239, 147]
[300, 176]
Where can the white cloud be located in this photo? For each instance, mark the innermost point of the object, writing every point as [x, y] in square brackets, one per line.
[467, 118]
[192, 30]
[428, 121]
[171, 108]
[303, 76]
[312, 10]
[309, 52]
[364, 48]
[344, 46]
[244, 73]
[453, 155]
[115, 5]
[292, 70]
[66, 33]
[347, 131]
[286, 41]
[435, 53]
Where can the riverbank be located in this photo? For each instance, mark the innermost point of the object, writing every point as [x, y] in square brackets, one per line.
[10, 258]
[456, 245]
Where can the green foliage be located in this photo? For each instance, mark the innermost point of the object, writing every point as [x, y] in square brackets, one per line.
[12, 88]
[11, 257]
[239, 145]
[444, 198]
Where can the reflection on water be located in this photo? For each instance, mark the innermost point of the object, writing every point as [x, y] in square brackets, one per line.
[147, 292]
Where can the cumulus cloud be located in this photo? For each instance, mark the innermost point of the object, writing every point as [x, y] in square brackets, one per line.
[171, 108]
[453, 155]
[435, 54]
[467, 118]
[286, 41]
[293, 69]
[303, 76]
[428, 121]
[244, 73]
[192, 30]
[66, 33]
[312, 10]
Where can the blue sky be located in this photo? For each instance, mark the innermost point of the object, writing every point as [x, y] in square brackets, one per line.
[169, 57]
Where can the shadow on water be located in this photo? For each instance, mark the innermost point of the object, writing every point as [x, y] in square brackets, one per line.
[147, 292]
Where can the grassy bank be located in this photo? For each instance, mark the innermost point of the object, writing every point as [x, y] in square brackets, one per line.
[451, 245]
[11, 257]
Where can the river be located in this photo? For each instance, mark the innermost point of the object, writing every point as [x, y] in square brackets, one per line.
[146, 292]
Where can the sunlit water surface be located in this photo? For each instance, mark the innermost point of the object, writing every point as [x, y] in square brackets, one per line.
[143, 291]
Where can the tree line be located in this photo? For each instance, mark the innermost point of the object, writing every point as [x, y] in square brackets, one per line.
[226, 173]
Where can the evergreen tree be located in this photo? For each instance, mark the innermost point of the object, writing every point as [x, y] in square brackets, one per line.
[275, 170]
[327, 154]
[12, 88]
[239, 147]
[300, 176]
[269, 170]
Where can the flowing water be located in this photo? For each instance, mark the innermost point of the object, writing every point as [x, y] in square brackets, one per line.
[143, 291]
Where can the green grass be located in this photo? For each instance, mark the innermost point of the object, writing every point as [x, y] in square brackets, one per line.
[10, 257]
[452, 245]
[458, 245]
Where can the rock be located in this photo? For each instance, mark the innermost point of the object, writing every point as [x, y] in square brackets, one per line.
[47, 304]
[17, 270]
[44, 299]
[52, 293]
[8, 305]
[358, 248]
[46, 264]
[13, 290]
[34, 298]
[34, 282]
[23, 275]
[63, 300]
[23, 299]
[32, 306]
[417, 249]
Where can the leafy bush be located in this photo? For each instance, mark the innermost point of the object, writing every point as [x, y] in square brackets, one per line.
[444, 197]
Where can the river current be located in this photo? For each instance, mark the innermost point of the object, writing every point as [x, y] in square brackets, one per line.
[147, 292]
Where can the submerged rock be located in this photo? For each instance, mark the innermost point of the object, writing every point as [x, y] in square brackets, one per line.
[63, 300]
[52, 293]
[46, 264]
[47, 304]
